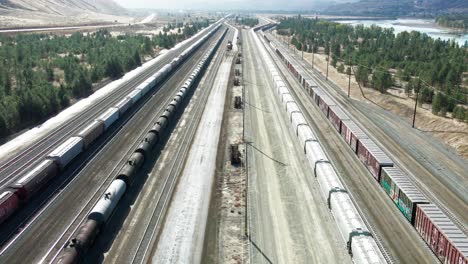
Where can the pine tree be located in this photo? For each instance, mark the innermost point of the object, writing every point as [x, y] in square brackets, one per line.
[437, 103]
[341, 68]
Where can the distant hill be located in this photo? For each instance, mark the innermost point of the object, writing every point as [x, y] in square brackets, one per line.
[15, 13]
[400, 7]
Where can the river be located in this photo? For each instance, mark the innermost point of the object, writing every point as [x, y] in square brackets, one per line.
[427, 26]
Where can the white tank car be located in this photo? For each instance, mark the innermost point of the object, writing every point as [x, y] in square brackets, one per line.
[104, 207]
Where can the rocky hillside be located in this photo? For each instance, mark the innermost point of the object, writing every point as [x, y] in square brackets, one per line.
[21, 13]
[400, 8]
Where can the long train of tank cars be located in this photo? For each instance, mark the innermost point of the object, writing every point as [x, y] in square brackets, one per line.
[22, 190]
[360, 242]
[88, 231]
[446, 240]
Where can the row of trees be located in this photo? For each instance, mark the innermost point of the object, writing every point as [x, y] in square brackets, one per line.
[41, 74]
[454, 21]
[251, 22]
[374, 51]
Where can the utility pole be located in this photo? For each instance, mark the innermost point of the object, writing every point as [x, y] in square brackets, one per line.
[328, 62]
[349, 82]
[416, 103]
[313, 47]
[349, 76]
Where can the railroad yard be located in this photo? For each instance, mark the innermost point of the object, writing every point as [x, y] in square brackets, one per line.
[230, 148]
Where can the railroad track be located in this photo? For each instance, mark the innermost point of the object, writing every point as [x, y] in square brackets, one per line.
[10, 170]
[144, 244]
[379, 137]
[109, 177]
[310, 120]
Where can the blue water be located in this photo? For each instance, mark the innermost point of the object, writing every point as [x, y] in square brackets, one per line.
[427, 26]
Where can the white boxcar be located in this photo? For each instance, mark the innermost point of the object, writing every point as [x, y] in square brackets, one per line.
[346, 216]
[123, 105]
[104, 207]
[67, 151]
[166, 69]
[158, 76]
[366, 251]
[109, 117]
[134, 95]
[152, 81]
[144, 87]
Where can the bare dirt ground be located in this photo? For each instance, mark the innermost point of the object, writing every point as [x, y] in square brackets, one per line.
[448, 130]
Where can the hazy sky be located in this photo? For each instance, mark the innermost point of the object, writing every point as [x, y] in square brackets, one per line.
[221, 4]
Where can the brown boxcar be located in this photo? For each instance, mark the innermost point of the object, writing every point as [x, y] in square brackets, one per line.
[8, 204]
[373, 157]
[91, 132]
[446, 240]
[336, 116]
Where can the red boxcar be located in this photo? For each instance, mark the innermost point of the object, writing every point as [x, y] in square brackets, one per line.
[9, 202]
[325, 102]
[373, 157]
[336, 116]
[34, 180]
[352, 133]
[447, 241]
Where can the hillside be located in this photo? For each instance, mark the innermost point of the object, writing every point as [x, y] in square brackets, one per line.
[21, 13]
[400, 8]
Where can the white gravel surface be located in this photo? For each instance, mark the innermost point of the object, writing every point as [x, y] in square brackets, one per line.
[182, 238]
[13, 146]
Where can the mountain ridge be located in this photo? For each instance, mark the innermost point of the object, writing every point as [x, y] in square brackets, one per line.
[63, 7]
[14, 13]
[400, 7]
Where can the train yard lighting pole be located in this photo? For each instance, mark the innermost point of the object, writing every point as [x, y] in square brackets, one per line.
[416, 103]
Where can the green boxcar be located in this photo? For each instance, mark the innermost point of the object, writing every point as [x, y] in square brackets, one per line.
[402, 192]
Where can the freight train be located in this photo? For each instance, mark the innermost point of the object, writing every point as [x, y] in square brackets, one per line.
[18, 193]
[77, 247]
[448, 242]
[360, 243]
